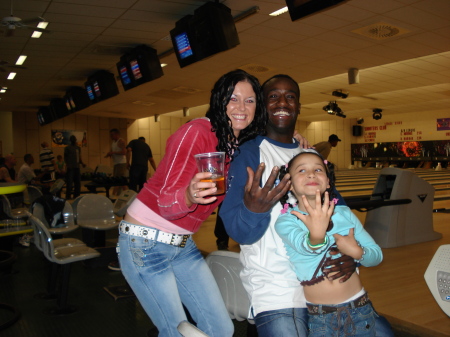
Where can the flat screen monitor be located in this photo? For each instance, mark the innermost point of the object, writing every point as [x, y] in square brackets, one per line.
[183, 42]
[124, 73]
[90, 92]
[45, 115]
[301, 8]
[183, 46]
[76, 99]
[143, 65]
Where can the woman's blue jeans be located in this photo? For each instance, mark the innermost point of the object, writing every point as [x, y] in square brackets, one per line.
[163, 277]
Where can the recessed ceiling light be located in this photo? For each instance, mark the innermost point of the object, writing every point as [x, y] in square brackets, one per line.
[21, 60]
[279, 12]
[3, 90]
[11, 76]
[42, 24]
[163, 65]
[36, 34]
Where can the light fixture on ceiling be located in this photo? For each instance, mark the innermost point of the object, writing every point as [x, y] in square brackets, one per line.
[377, 114]
[333, 109]
[3, 90]
[339, 93]
[11, 75]
[21, 60]
[280, 11]
[41, 25]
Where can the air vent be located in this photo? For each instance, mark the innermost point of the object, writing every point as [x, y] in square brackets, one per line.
[254, 68]
[187, 90]
[380, 31]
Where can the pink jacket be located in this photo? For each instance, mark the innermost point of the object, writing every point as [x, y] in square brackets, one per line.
[164, 193]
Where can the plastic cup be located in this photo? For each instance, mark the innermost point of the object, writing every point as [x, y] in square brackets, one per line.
[213, 162]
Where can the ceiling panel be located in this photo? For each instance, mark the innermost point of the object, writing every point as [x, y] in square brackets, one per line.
[404, 73]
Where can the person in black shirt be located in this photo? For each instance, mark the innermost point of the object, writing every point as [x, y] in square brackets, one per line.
[139, 152]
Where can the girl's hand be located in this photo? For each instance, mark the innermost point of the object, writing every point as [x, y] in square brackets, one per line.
[303, 142]
[347, 244]
[199, 192]
[318, 218]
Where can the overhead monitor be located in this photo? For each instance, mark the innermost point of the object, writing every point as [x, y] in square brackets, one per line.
[76, 99]
[45, 115]
[101, 85]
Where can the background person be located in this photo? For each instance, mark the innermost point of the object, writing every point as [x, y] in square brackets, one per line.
[72, 157]
[165, 274]
[118, 155]
[7, 171]
[140, 155]
[47, 160]
[324, 148]
[60, 167]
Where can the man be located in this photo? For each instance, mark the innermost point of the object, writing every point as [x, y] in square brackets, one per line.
[7, 172]
[324, 148]
[47, 160]
[249, 212]
[72, 157]
[118, 155]
[26, 174]
[140, 153]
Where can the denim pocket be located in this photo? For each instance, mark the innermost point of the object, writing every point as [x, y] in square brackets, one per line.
[140, 249]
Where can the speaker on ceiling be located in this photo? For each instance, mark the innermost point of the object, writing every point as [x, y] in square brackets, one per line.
[357, 130]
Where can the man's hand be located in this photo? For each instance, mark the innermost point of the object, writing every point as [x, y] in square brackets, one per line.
[343, 266]
[261, 200]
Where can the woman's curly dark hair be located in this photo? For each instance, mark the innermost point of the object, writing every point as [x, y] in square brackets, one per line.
[217, 112]
[329, 168]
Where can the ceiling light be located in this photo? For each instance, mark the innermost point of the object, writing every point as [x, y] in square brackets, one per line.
[377, 114]
[21, 60]
[3, 90]
[36, 34]
[279, 12]
[42, 24]
[163, 65]
[339, 93]
[11, 75]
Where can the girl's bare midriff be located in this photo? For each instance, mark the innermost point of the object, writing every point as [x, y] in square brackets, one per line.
[333, 292]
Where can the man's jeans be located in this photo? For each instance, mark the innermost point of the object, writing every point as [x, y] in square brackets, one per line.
[282, 323]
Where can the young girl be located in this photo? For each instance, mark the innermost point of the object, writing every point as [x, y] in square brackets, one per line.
[313, 232]
[60, 167]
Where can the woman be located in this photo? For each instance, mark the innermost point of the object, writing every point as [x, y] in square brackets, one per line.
[157, 255]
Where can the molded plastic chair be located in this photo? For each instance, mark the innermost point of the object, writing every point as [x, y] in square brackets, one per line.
[94, 211]
[94, 214]
[57, 186]
[69, 220]
[226, 268]
[63, 256]
[31, 193]
[123, 201]
[186, 329]
[14, 213]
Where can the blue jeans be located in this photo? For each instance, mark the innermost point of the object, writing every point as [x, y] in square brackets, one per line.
[357, 322]
[282, 323]
[163, 277]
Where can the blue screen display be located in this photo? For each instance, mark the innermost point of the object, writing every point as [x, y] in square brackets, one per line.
[90, 92]
[124, 75]
[183, 45]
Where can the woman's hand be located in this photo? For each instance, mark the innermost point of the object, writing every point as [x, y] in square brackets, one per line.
[318, 218]
[303, 142]
[199, 192]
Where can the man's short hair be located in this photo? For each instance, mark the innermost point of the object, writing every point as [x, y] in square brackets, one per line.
[114, 130]
[142, 138]
[27, 157]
